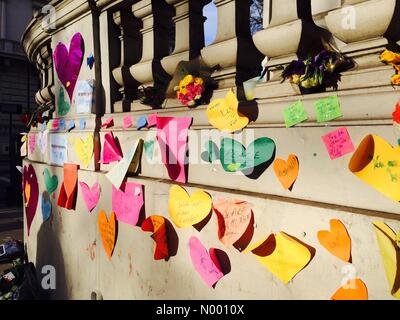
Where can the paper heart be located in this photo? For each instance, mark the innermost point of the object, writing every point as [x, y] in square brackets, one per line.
[223, 114]
[127, 122]
[32, 142]
[111, 151]
[377, 163]
[287, 171]
[51, 182]
[252, 161]
[157, 225]
[205, 263]
[337, 241]
[68, 63]
[211, 153]
[63, 106]
[108, 231]
[141, 122]
[234, 218]
[46, 206]
[67, 195]
[283, 255]
[354, 289]
[188, 210]
[127, 203]
[31, 194]
[84, 149]
[91, 196]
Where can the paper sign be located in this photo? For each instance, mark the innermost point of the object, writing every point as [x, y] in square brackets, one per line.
[45, 205]
[223, 114]
[141, 122]
[157, 225]
[390, 255]
[84, 97]
[107, 229]
[67, 196]
[91, 195]
[282, 255]
[111, 151]
[338, 143]
[188, 210]
[127, 202]
[51, 182]
[58, 149]
[287, 171]
[377, 163]
[207, 267]
[328, 109]
[295, 114]
[172, 136]
[354, 289]
[108, 123]
[235, 157]
[30, 189]
[234, 218]
[337, 241]
[68, 62]
[84, 150]
[152, 120]
[127, 122]
[130, 163]
[32, 142]
[63, 106]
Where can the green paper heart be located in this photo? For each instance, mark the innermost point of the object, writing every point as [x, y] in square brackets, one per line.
[234, 156]
[63, 106]
[212, 152]
[149, 149]
[51, 182]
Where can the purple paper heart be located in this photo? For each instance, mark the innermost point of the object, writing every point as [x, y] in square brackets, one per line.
[31, 201]
[68, 63]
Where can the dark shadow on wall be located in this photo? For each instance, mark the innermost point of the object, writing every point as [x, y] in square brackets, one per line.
[49, 252]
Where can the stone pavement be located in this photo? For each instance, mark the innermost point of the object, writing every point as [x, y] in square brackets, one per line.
[11, 226]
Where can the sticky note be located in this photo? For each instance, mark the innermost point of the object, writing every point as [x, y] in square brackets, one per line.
[295, 114]
[127, 122]
[328, 109]
[338, 143]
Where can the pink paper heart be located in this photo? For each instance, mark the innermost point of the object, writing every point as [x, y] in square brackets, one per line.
[127, 202]
[111, 151]
[206, 264]
[68, 63]
[90, 195]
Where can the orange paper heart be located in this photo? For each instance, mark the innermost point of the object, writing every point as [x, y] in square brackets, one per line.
[287, 171]
[107, 228]
[337, 241]
[353, 290]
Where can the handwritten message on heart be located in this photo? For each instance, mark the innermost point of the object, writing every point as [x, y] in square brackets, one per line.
[68, 63]
[206, 265]
[127, 202]
[84, 149]
[337, 241]
[223, 114]
[234, 217]
[287, 171]
[107, 229]
[91, 195]
[186, 210]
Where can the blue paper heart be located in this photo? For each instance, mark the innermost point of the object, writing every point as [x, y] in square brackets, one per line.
[46, 205]
[90, 61]
[71, 125]
[61, 125]
[82, 124]
[141, 122]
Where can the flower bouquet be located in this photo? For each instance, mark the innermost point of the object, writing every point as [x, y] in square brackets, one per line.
[316, 73]
[393, 59]
[191, 84]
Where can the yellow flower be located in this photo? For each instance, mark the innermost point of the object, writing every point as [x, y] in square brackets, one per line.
[390, 57]
[198, 81]
[396, 80]
[187, 80]
[295, 79]
[183, 90]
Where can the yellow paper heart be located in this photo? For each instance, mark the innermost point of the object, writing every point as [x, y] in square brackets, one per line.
[188, 210]
[84, 149]
[223, 114]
